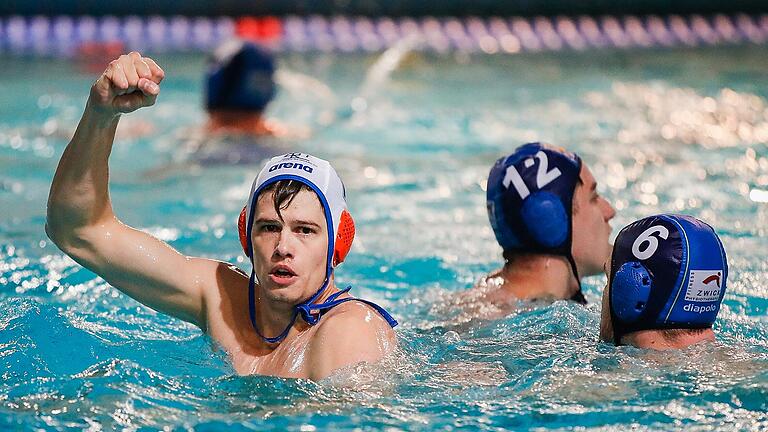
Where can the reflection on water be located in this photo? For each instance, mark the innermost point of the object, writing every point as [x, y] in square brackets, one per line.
[660, 134]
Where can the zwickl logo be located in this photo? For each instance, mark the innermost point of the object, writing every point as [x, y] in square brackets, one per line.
[704, 285]
[714, 278]
[292, 165]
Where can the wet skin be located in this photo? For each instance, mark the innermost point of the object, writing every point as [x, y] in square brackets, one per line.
[211, 294]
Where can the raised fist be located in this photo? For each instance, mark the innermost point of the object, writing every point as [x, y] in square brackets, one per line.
[130, 82]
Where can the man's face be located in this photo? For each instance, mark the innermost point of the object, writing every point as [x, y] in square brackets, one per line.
[289, 253]
[591, 228]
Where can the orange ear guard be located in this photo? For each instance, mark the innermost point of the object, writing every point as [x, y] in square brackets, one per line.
[243, 230]
[341, 248]
[344, 238]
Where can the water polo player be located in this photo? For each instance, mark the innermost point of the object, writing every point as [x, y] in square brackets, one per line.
[239, 84]
[551, 223]
[288, 318]
[667, 278]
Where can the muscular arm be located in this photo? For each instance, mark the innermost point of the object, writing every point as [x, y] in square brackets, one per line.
[352, 334]
[80, 218]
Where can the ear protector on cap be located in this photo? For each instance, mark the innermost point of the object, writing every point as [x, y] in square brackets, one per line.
[344, 238]
[242, 230]
[667, 271]
[546, 219]
[635, 283]
[342, 245]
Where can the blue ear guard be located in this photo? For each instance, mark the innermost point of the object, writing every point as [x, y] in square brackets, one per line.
[530, 199]
[545, 217]
[667, 271]
[240, 77]
[635, 281]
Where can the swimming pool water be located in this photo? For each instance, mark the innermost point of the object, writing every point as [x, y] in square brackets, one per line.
[663, 131]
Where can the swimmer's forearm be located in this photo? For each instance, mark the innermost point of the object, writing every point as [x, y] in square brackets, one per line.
[79, 194]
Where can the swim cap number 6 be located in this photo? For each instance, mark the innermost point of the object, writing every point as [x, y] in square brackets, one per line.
[653, 242]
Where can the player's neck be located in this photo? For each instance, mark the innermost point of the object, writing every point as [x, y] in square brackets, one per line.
[539, 277]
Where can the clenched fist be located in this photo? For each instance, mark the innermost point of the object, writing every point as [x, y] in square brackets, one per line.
[130, 82]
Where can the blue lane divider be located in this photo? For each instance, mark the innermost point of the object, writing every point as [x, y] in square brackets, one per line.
[64, 36]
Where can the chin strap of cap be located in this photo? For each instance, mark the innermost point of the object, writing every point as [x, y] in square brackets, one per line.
[304, 309]
[578, 296]
[310, 313]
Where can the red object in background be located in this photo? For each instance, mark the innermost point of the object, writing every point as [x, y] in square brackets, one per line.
[261, 29]
[95, 56]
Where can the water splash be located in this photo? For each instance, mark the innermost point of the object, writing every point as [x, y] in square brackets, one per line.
[378, 75]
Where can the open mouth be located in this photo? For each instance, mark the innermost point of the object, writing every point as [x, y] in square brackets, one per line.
[282, 275]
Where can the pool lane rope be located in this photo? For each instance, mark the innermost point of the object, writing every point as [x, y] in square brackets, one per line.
[65, 36]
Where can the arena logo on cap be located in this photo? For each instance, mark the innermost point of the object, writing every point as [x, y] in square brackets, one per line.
[292, 165]
[704, 285]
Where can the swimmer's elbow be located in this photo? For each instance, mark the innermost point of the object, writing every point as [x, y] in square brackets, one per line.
[64, 240]
[57, 233]
[76, 209]
[61, 223]
[52, 235]
[62, 234]
[72, 239]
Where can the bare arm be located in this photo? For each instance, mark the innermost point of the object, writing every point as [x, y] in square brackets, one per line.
[80, 217]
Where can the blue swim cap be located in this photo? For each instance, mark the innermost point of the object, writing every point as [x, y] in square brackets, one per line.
[667, 271]
[240, 77]
[529, 199]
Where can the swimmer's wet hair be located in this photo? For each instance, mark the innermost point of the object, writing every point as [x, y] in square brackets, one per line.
[672, 335]
[284, 193]
[574, 204]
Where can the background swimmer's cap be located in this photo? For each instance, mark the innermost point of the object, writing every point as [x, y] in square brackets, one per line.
[667, 271]
[529, 199]
[240, 77]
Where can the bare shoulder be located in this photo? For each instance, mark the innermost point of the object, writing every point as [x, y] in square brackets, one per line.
[218, 281]
[353, 317]
[221, 277]
[229, 272]
[350, 333]
[214, 272]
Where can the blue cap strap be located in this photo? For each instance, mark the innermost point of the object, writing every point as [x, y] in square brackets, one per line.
[306, 309]
[578, 296]
[384, 314]
[252, 314]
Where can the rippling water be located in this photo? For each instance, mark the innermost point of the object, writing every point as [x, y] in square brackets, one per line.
[666, 131]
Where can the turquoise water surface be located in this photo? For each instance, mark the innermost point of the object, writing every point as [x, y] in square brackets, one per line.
[663, 131]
